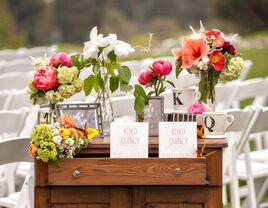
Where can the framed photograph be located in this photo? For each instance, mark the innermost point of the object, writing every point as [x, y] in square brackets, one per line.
[88, 114]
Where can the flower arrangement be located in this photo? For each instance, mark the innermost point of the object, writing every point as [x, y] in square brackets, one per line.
[100, 58]
[154, 77]
[60, 140]
[55, 80]
[211, 57]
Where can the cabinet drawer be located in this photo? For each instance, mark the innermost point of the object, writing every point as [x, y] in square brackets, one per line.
[115, 171]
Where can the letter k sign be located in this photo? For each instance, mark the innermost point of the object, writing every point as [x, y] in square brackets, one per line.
[176, 99]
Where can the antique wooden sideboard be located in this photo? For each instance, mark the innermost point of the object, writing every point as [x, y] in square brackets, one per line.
[93, 180]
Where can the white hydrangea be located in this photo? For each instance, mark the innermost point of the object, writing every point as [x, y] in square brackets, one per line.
[57, 140]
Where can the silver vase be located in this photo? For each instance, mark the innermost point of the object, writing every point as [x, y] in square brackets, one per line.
[153, 113]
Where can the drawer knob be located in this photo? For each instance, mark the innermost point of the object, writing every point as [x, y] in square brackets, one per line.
[177, 171]
[76, 174]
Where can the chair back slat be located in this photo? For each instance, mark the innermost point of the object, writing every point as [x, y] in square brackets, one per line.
[15, 150]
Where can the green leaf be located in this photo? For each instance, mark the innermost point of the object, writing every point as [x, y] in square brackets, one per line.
[77, 62]
[114, 84]
[171, 83]
[178, 68]
[100, 81]
[124, 74]
[96, 87]
[56, 163]
[125, 87]
[139, 104]
[110, 68]
[88, 84]
[139, 91]
[112, 56]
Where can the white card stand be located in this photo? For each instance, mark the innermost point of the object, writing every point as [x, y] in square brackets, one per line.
[129, 140]
[177, 140]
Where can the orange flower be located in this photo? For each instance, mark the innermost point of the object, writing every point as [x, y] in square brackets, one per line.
[33, 149]
[216, 38]
[74, 133]
[67, 121]
[192, 51]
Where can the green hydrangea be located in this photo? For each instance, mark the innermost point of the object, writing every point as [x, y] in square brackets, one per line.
[47, 151]
[54, 96]
[78, 84]
[66, 91]
[42, 133]
[31, 88]
[67, 75]
[233, 70]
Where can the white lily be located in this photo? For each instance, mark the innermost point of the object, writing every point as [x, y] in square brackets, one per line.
[122, 48]
[91, 48]
[119, 47]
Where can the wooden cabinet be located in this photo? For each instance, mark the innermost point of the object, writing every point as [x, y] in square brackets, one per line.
[93, 180]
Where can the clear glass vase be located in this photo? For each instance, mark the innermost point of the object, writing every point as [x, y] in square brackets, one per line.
[207, 89]
[104, 98]
[47, 114]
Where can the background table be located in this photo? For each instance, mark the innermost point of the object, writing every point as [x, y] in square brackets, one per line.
[93, 180]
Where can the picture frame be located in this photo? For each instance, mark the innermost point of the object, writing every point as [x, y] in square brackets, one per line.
[84, 113]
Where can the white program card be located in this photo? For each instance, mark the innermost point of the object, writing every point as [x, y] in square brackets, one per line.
[129, 140]
[177, 139]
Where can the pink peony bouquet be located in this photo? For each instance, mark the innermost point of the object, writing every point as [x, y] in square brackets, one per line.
[153, 78]
[211, 57]
[55, 80]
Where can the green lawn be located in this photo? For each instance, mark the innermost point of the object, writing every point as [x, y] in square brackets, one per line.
[259, 56]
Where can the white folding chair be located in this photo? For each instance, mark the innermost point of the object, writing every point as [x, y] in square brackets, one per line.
[41, 51]
[123, 108]
[7, 54]
[12, 122]
[15, 80]
[224, 93]
[4, 96]
[246, 69]
[17, 99]
[259, 170]
[24, 198]
[18, 65]
[184, 80]
[252, 88]
[235, 134]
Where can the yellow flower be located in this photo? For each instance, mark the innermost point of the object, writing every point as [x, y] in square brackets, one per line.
[64, 133]
[91, 132]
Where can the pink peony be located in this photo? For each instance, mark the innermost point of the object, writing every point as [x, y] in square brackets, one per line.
[145, 77]
[196, 109]
[45, 79]
[58, 59]
[161, 67]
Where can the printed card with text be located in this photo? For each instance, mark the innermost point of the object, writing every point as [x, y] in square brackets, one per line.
[177, 139]
[129, 140]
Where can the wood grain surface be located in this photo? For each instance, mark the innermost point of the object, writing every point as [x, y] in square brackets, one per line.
[149, 171]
